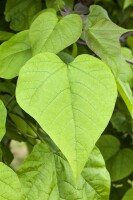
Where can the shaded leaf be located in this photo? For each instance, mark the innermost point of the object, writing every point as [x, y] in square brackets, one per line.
[47, 175]
[20, 13]
[128, 3]
[108, 145]
[119, 166]
[128, 195]
[118, 161]
[59, 4]
[3, 114]
[4, 35]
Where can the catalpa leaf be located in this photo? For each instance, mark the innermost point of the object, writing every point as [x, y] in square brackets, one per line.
[13, 54]
[4, 35]
[118, 161]
[68, 101]
[124, 86]
[47, 175]
[20, 13]
[102, 37]
[48, 33]
[128, 195]
[126, 94]
[3, 114]
[9, 184]
[127, 55]
[128, 3]
[59, 4]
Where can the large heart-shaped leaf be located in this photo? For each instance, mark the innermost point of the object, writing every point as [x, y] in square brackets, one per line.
[48, 33]
[9, 184]
[13, 54]
[3, 114]
[47, 175]
[73, 103]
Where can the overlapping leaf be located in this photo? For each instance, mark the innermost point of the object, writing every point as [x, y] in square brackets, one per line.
[128, 195]
[13, 54]
[4, 35]
[102, 37]
[47, 175]
[9, 184]
[118, 161]
[68, 101]
[20, 13]
[47, 33]
[3, 114]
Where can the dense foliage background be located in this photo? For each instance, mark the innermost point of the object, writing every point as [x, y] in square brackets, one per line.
[116, 142]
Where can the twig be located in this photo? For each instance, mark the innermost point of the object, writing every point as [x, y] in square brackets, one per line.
[125, 35]
[81, 42]
[10, 100]
[129, 61]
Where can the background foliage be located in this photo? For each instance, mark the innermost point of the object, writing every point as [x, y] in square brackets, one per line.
[103, 30]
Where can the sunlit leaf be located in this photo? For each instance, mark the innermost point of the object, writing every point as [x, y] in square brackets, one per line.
[68, 101]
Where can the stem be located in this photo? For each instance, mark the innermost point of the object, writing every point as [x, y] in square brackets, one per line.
[10, 100]
[129, 61]
[125, 35]
[81, 42]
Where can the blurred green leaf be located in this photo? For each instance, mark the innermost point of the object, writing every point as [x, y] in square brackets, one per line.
[3, 114]
[128, 195]
[128, 3]
[20, 13]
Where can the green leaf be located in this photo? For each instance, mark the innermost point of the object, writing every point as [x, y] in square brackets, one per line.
[3, 114]
[59, 4]
[7, 87]
[47, 175]
[48, 34]
[9, 184]
[20, 13]
[13, 55]
[126, 93]
[4, 35]
[128, 3]
[56, 4]
[128, 195]
[102, 37]
[108, 145]
[7, 155]
[67, 101]
[122, 122]
[119, 166]
[127, 54]
[118, 161]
